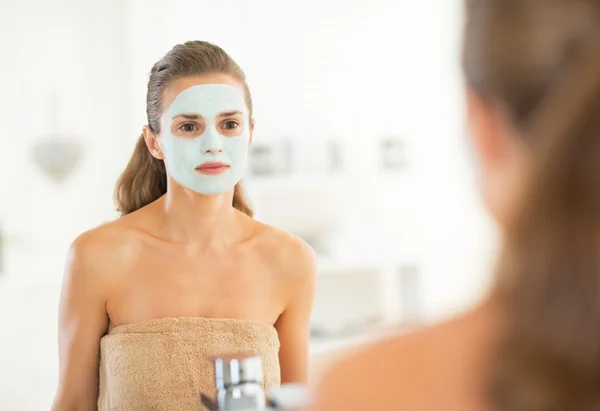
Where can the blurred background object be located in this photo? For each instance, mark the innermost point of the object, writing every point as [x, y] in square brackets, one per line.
[359, 148]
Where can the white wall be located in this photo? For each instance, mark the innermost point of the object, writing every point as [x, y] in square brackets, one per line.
[71, 50]
[75, 50]
[459, 239]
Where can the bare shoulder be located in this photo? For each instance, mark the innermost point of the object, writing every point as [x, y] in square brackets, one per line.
[287, 251]
[358, 380]
[398, 370]
[103, 247]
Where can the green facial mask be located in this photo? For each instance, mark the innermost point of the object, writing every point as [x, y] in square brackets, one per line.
[185, 154]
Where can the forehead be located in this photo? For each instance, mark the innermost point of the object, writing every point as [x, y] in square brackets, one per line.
[207, 100]
[177, 87]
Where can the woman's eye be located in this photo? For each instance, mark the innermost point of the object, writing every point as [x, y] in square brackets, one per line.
[230, 125]
[188, 127]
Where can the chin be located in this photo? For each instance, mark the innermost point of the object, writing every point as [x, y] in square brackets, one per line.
[214, 190]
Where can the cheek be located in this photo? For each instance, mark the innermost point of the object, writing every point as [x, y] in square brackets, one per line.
[237, 149]
[176, 150]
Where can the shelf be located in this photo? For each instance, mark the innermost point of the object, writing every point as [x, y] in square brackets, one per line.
[298, 181]
[328, 266]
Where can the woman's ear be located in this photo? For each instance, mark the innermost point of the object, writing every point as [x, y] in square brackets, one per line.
[501, 155]
[152, 143]
[484, 130]
[252, 124]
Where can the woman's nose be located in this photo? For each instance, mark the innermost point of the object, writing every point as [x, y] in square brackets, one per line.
[211, 143]
[213, 150]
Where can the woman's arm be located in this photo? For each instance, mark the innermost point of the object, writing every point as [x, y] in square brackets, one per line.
[293, 326]
[82, 323]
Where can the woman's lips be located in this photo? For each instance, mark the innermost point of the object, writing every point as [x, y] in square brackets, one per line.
[212, 168]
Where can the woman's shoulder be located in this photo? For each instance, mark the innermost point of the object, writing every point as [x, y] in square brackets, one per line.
[399, 370]
[366, 371]
[285, 250]
[109, 243]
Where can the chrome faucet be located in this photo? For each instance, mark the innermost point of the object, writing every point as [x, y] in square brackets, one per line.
[239, 382]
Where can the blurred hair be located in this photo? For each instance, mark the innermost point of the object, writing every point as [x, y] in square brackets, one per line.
[540, 60]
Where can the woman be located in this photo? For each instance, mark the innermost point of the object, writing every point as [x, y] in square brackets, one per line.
[185, 274]
[533, 74]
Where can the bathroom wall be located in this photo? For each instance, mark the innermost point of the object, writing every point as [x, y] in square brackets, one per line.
[63, 71]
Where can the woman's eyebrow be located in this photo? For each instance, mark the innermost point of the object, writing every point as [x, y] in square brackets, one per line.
[229, 113]
[188, 116]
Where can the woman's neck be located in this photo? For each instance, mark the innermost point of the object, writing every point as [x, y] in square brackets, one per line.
[208, 222]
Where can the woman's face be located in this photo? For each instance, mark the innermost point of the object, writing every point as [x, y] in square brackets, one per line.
[504, 161]
[205, 132]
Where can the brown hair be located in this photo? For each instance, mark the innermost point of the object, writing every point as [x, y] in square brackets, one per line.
[540, 60]
[145, 177]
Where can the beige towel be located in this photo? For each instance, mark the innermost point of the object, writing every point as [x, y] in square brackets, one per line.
[165, 364]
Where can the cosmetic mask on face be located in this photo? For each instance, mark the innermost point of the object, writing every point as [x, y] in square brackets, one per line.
[183, 153]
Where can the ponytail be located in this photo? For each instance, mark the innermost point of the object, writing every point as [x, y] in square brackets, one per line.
[548, 357]
[240, 202]
[145, 181]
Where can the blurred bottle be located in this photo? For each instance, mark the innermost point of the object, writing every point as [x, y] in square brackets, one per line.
[336, 156]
